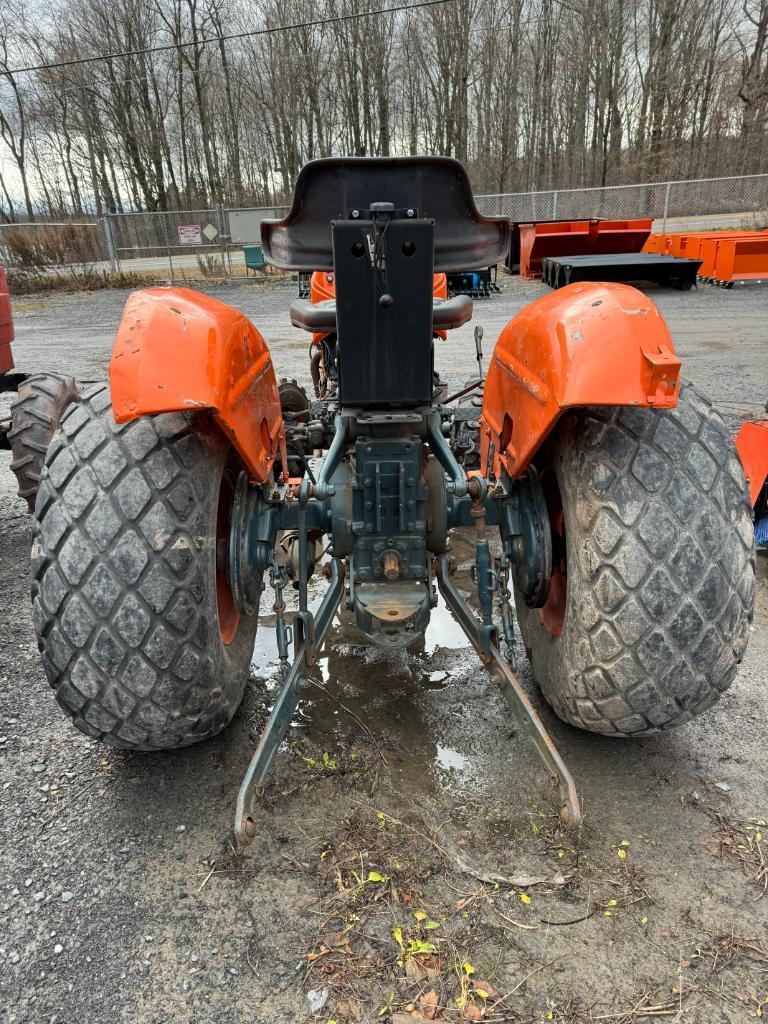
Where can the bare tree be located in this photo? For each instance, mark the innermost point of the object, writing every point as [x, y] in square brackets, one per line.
[528, 93]
[13, 105]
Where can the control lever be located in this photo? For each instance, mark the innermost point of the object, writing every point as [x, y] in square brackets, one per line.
[479, 349]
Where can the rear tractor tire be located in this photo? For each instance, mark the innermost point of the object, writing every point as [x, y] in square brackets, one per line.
[139, 634]
[653, 582]
[35, 414]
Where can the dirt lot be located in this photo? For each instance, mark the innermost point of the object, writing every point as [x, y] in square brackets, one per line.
[404, 818]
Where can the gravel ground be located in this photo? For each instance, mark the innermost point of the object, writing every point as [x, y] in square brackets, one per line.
[121, 897]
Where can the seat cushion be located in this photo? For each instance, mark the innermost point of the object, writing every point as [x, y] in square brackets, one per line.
[320, 317]
[450, 313]
[317, 317]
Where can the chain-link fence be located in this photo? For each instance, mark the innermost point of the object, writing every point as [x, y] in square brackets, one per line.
[721, 202]
[210, 243]
[169, 241]
[206, 243]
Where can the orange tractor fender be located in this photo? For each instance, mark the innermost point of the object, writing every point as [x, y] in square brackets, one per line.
[752, 446]
[585, 344]
[179, 350]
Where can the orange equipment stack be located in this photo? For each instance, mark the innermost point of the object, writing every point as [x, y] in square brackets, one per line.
[727, 257]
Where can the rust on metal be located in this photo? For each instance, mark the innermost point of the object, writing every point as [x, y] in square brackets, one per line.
[391, 565]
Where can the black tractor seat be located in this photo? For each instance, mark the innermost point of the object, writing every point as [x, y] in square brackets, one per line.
[320, 317]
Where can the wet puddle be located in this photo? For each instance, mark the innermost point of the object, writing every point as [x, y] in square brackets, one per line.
[395, 693]
[451, 760]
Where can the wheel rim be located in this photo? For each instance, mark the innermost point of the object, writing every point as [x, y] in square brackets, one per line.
[552, 612]
[225, 602]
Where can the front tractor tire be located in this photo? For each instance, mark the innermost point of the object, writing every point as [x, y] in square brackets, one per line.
[139, 635]
[35, 414]
[653, 584]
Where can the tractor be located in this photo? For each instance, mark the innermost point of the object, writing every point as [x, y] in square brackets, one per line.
[606, 501]
[752, 446]
[37, 401]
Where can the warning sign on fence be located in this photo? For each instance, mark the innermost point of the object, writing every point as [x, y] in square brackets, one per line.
[190, 234]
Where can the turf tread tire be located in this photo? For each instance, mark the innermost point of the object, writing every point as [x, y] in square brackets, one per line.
[35, 414]
[660, 564]
[123, 577]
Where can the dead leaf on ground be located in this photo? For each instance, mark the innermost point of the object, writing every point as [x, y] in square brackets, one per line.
[414, 970]
[349, 1007]
[428, 1004]
[484, 986]
[521, 881]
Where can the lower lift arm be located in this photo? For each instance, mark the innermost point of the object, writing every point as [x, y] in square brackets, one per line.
[310, 632]
[485, 643]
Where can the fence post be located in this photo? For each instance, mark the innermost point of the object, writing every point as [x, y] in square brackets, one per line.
[164, 215]
[554, 205]
[109, 239]
[666, 206]
[226, 264]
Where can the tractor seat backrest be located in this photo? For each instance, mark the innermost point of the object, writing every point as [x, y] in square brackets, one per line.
[433, 187]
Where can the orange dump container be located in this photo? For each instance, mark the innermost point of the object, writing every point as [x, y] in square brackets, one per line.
[6, 325]
[742, 259]
[687, 244]
[711, 243]
[658, 243]
[578, 238]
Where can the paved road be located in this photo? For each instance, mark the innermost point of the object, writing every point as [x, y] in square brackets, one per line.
[748, 221]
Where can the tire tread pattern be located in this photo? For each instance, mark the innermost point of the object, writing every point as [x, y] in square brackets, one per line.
[661, 568]
[123, 571]
[35, 414]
